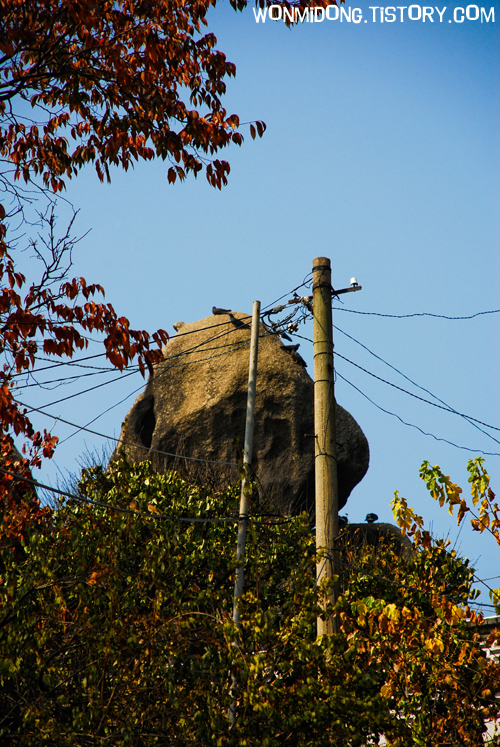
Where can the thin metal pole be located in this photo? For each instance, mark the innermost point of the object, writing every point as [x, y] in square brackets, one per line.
[327, 519]
[245, 483]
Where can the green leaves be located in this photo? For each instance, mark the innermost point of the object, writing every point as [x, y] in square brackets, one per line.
[118, 628]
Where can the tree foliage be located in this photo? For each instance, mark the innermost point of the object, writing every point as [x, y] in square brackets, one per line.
[107, 83]
[484, 511]
[116, 627]
[113, 82]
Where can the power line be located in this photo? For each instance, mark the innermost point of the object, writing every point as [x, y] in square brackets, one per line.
[177, 355]
[156, 375]
[447, 409]
[58, 365]
[415, 383]
[305, 282]
[112, 507]
[424, 313]
[66, 379]
[120, 441]
[411, 425]
[415, 396]
[120, 509]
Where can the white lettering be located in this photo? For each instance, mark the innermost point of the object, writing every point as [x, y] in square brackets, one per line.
[357, 15]
[402, 8]
[260, 14]
[390, 14]
[428, 13]
[491, 15]
[440, 13]
[335, 8]
[275, 7]
[373, 8]
[316, 11]
[303, 17]
[289, 14]
[344, 13]
[461, 19]
[410, 16]
[472, 18]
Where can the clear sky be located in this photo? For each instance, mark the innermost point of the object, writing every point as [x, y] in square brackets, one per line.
[382, 153]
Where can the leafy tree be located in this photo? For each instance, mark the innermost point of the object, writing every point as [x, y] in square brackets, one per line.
[106, 83]
[485, 512]
[116, 627]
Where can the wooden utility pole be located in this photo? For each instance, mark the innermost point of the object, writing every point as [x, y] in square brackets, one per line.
[327, 513]
[245, 483]
[247, 460]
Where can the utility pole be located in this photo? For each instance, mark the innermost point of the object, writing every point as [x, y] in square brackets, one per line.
[326, 479]
[245, 483]
[327, 513]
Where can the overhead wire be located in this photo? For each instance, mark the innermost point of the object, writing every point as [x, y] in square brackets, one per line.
[120, 509]
[121, 441]
[131, 373]
[60, 382]
[416, 396]
[378, 357]
[412, 425]
[144, 514]
[423, 313]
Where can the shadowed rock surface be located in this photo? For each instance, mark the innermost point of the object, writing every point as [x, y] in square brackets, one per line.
[195, 404]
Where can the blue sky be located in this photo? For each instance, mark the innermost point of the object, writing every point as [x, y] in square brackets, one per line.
[382, 153]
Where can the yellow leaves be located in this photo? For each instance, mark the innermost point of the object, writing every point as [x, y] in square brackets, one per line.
[446, 491]
[392, 612]
[434, 645]
[386, 690]
[361, 610]
[495, 598]
[408, 521]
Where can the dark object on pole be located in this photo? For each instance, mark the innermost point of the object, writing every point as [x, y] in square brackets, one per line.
[371, 518]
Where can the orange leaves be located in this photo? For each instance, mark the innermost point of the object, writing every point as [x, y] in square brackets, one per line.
[44, 313]
[261, 128]
[216, 173]
[109, 71]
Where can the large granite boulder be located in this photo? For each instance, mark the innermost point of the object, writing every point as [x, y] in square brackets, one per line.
[195, 404]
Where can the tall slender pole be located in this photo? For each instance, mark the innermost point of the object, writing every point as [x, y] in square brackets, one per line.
[245, 483]
[327, 519]
[247, 460]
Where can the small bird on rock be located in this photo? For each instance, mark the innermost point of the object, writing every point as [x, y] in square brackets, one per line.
[298, 358]
[237, 322]
[216, 311]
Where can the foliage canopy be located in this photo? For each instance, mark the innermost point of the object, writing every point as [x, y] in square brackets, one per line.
[117, 627]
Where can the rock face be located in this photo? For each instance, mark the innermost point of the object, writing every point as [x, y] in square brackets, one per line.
[195, 405]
